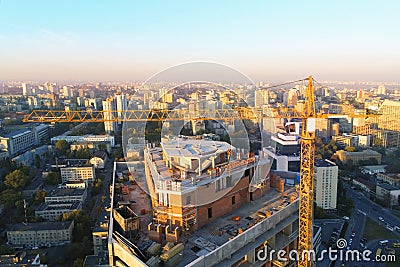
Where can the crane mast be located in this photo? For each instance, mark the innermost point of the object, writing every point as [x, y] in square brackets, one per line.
[306, 188]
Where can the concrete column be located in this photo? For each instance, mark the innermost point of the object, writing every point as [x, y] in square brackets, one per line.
[288, 229]
[271, 242]
[251, 256]
[213, 162]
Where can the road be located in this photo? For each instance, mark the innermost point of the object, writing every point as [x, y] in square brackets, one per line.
[108, 169]
[363, 208]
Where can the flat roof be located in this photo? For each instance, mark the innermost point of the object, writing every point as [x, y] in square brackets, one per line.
[323, 163]
[17, 133]
[373, 167]
[59, 206]
[41, 226]
[206, 238]
[392, 175]
[60, 192]
[388, 186]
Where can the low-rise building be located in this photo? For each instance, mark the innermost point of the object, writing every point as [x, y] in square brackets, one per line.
[50, 211]
[390, 178]
[100, 240]
[373, 169]
[99, 159]
[81, 184]
[40, 234]
[364, 185]
[354, 140]
[78, 173]
[66, 195]
[20, 141]
[28, 158]
[357, 157]
[85, 138]
[21, 259]
[3, 154]
[388, 193]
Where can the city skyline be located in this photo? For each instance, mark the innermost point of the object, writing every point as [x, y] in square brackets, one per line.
[266, 41]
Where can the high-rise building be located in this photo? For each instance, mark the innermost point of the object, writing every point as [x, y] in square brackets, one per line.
[26, 90]
[286, 149]
[261, 98]
[326, 182]
[292, 97]
[121, 105]
[385, 129]
[67, 91]
[381, 90]
[108, 107]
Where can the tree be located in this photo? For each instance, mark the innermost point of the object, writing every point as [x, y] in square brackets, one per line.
[350, 149]
[82, 223]
[10, 198]
[6, 250]
[37, 161]
[16, 179]
[53, 178]
[82, 154]
[40, 196]
[118, 153]
[61, 147]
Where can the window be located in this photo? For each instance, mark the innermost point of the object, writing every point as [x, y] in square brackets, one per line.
[209, 212]
[233, 200]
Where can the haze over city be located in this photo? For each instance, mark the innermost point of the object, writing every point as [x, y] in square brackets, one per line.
[199, 133]
[132, 40]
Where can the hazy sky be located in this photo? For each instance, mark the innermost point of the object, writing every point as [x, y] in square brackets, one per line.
[267, 40]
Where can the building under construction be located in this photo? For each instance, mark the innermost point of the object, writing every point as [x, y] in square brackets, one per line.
[206, 211]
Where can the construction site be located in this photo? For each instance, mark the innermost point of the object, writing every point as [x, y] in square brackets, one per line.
[189, 225]
[193, 200]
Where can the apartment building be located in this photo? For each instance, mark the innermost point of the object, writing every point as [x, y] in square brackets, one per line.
[51, 211]
[40, 234]
[388, 193]
[66, 195]
[326, 182]
[78, 173]
[22, 140]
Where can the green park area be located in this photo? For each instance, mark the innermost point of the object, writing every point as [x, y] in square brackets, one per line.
[374, 231]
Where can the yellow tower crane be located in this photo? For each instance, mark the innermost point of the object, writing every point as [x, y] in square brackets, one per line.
[308, 116]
